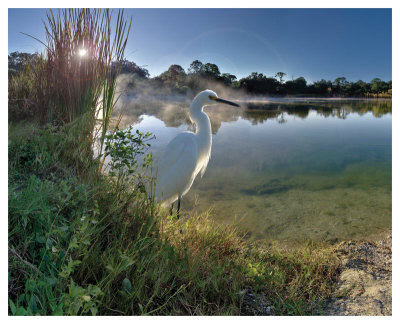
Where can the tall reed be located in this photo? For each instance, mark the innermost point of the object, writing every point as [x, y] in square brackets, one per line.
[76, 76]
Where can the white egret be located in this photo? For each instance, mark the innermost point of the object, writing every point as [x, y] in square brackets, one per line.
[188, 153]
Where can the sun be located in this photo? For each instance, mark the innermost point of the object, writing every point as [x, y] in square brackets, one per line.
[82, 52]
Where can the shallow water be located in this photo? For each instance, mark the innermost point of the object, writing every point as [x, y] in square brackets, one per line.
[288, 170]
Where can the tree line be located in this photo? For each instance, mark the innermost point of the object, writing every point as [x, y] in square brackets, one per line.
[260, 84]
[178, 81]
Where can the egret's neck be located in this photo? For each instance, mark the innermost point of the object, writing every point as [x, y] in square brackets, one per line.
[200, 118]
[203, 127]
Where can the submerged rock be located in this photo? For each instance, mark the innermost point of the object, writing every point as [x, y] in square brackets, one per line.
[271, 187]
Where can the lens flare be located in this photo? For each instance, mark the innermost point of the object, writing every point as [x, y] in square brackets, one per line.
[82, 52]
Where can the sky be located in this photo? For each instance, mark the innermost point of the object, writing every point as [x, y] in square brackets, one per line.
[313, 43]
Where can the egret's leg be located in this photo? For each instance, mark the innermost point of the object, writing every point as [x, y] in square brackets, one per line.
[171, 209]
[179, 206]
[177, 212]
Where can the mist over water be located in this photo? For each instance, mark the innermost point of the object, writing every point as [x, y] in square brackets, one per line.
[286, 169]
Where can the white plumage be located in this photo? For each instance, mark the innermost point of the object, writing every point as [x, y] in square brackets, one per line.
[188, 153]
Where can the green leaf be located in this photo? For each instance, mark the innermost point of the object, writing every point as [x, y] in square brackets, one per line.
[32, 304]
[21, 311]
[12, 306]
[126, 285]
[40, 239]
[51, 281]
[58, 312]
[73, 243]
[49, 243]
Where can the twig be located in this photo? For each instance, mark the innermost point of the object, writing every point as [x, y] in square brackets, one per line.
[30, 265]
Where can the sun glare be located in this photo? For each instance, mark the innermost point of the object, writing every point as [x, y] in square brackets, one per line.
[82, 52]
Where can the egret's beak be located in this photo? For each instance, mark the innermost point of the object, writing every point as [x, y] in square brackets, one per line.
[226, 102]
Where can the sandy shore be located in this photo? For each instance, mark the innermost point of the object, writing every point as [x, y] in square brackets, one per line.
[365, 281]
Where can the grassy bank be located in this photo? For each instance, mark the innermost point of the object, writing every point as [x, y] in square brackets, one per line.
[78, 244]
[83, 242]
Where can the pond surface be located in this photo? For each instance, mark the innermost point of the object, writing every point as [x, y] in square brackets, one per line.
[286, 169]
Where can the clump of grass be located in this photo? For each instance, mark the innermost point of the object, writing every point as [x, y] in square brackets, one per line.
[295, 280]
[22, 90]
[62, 85]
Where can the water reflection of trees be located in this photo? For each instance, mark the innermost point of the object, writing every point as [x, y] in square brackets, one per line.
[175, 113]
[259, 112]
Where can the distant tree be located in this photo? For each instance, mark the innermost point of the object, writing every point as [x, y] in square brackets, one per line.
[301, 84]
[211, 70]
[340, 82]
[320, 87]
[132, 67]
[259, 83]
[196, 67]
[175, 71]
[298, 85]
[16, 60]
[377, 85]
[360, 88]
[339, 85]
[387, 86]
[228, 78]
[175, 74]
[280, 75]
[173, 80]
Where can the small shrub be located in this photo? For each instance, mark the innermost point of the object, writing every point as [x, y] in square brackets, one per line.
[125, 150]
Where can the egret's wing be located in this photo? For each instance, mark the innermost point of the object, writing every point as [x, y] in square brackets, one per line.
[182, 146]
[204, 166]
[176, 167]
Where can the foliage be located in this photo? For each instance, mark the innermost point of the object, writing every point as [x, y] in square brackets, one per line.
[196, 67]
[280, 75]
[124, 148]
[211, 70]
[131, 68]
[17, 61]
[259, 83]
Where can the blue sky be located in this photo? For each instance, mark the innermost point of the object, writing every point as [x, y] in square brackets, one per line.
[313, 43]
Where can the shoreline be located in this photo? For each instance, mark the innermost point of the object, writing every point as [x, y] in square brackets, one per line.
[364, 285]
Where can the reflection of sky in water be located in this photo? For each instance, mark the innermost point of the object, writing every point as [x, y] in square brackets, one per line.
[315, 177]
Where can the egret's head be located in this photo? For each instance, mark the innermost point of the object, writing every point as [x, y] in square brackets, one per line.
[209, 97]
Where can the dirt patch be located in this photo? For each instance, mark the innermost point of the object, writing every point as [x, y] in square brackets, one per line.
[365, 281]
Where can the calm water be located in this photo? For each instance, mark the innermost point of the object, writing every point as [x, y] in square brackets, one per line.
[309, 169]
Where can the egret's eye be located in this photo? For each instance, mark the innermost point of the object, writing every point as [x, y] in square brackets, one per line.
[212, 97]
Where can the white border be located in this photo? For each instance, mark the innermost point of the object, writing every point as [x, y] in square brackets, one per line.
[213, 4]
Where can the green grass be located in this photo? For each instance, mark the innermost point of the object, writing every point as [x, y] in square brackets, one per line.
[77, 246]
